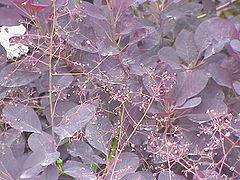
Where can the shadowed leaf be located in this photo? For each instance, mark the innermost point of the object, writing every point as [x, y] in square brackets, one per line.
[75, 119]
[22, 118]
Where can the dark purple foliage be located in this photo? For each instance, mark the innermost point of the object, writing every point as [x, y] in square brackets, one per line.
[119, 89]
[22, 118]
[78, 170]
[74, 120]
[125, 164]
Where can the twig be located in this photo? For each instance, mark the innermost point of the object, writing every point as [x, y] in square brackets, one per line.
[130, 136]
[220, 7]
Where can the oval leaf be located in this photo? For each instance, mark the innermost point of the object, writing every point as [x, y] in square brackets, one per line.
[185, 46]
[166, 175]
[13, 76]
[78, 170]
[74, 120]
[84, 151]
[169, 55]
[193, 102]
[37, 162]
[212, 99]
[190, 84]
[235, 44]
[22, 118]
[236, 86]
[126, 164]
[9, 16]
[99, 134]
[93, 11]
[62, 82]
[42, 141]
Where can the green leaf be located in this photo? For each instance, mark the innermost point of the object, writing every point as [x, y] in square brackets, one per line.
[94, 167]
[113, 147]
[59, 164]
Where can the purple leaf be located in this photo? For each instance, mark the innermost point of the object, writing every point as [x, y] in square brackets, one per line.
[60, 110]
[126, 164]
[3, 92]
[50, 158]
[98, 134]
[189, 23]
[156, 84]
[196, 142]
[22, 118]
[140, 175]
[185, 46]
[190, 84]
[78, 170]
[150, 41]
[148, 64]
[209, 7]
[193, 102]
[34, 170]
[136, 176]
[42, 141]
[144, 33]
[169, 56]
[202, 37]
[84, 151]
[214, 33]
[64, 155]
[128, 24]
[182, 8]
[9, 168]
[93, 34]
[9, 137]
[110, 50]
[220, 75]
[15, 140]
[34, 62]
[214, 48]
[74, 120]
[221, 29]
[9, 16]
[62, 82]
[93, 11]
[236, 86]
[232, 65]
[120, 6]
[50, 173]
[8, 2]
[37, 162]
[147, 175]
[13, 76]
[3, 55]
[208, 174]
[235, 44]
[18, 146]
[112, 69]
[212, 99]
[166, 175]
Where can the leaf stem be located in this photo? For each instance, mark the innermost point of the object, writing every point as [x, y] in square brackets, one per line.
[132, 133]
[219, 8]
[51, 55]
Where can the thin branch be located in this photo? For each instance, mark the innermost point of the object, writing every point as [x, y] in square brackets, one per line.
[220, 7]
[51, 55]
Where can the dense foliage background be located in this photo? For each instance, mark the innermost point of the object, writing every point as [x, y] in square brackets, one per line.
[119, 89]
